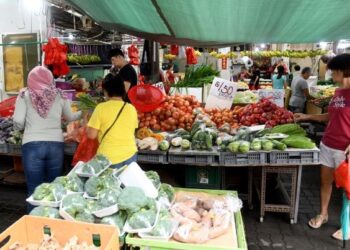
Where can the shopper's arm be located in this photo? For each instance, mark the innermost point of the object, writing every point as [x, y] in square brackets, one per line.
[317, 118]
[307, 94]
[91, 133]
[68, 114]
[19, 117]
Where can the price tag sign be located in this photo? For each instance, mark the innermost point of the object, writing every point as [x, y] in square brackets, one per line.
[275, 95]
[160, 85]
[221, 94]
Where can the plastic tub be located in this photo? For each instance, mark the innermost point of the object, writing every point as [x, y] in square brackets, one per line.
[64, 85]
[70, 94]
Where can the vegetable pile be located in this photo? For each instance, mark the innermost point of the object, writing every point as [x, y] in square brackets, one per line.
[175, 112]
[264, 112]
[49, 192]
[197, 76]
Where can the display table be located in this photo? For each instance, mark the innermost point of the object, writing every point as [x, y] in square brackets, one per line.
[239, 240]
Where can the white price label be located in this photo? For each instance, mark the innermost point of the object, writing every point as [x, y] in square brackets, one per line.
[160, 85]
[221, 94]
[275, 95]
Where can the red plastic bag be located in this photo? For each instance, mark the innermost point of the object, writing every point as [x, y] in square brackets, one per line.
[191, 56]
[174, 50]
[342, 177]
[133, 54]
[86, 150]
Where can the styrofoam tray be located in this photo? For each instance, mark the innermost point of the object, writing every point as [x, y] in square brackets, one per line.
[86, 196]
[165, 238]
[79, 166]
[33, 202]
[106, 211]
[65, 215]
[127, 228]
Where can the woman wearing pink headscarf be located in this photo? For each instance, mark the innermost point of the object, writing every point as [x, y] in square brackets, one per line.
[39, 110]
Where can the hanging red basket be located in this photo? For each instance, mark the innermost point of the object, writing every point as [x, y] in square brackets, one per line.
[145, 97]
[7, 107]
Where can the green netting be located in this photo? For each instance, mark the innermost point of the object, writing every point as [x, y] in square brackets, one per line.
[225, 21]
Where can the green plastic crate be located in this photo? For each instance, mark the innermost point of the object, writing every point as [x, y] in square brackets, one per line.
[145, 244]
[203, 177]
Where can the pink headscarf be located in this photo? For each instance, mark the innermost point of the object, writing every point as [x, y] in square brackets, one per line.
[42, 90]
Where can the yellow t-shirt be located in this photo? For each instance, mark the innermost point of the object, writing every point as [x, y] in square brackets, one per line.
[119, 144]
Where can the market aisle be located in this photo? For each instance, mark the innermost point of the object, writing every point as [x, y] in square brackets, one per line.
[274, 233]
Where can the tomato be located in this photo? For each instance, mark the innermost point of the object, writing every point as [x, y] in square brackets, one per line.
[156, 127]
[168, 113]
[181, 125]
[147, 124]
[176, 115]
[141, 125]
[153, 122]
[157, 111]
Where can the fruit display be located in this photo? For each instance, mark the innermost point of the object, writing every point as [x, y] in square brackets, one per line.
[323, 91]
[175, 112]
[242, 85]
[286, 53]
[222, 116]
[264, 112]
[83, 59]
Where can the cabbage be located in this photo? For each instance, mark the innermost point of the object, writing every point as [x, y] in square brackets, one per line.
[244, 147]
[234, 146]
[255, 145]
[164, 145]
[185, 144]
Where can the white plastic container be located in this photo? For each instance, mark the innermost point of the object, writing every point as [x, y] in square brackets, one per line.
[134, 176]
[33, 202]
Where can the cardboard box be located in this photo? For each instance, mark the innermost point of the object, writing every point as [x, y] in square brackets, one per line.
[30, 229]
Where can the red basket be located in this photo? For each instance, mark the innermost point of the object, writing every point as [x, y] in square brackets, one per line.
[146, 97]
[7, 107]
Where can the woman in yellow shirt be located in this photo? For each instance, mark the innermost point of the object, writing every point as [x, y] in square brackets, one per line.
[113, 123]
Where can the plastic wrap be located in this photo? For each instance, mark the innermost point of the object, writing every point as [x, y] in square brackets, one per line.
[48, 212]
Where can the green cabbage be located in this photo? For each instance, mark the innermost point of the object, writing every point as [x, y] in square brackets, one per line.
[244, 147]
[234, 146]
[164, 145]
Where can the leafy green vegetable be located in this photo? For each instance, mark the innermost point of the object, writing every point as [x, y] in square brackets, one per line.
[244, 147]
[109, 197]
[164, 145]
[95, 185]
[164, 225]
[198, 76]
[96, 165]
[256, 145]
[48, 212]
[185, 144]
[233, 146]
[267, 145]
[132, 199]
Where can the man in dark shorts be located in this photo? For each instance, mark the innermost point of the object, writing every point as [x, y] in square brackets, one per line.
[124, 69]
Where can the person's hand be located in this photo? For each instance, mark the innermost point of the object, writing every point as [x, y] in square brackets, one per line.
[298, 117]
[347, 151]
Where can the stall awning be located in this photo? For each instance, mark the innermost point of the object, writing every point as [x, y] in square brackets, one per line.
[224, 22]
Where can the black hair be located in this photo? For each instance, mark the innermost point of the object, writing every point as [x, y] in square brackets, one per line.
[306, 70]
[341, 63]
[114, 85]
[297, 67]
[115, 52]
[280, 71]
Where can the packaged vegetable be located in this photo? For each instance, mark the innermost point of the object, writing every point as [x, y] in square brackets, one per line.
[77, 207]
[255, 145]
[185, 144]
[132, 199]
[165, 225]
[118, 219]
[234, 146]
[164, 145]
[96, 165]
[154, 177]
[142, 219]
[72, 182]
[49, 192]
[48, 212]
[244, 147]
[176, 142]
[109, 197]
[267, 145]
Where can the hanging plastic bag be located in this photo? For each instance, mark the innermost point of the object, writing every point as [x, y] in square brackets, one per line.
[191, 56]
[86, 150]
[133, 54]
[342, 177]
[174, 50]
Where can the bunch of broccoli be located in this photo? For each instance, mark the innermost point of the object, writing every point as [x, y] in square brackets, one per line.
[96, 165]
[48, 212]
[72, 182]
[77, 207]
[49, 192]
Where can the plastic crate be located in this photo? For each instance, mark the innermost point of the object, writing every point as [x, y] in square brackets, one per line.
[148, 156]
[69, 148]
[203, 177]
[193, 157]
[14, 149]
[3, 148]
[249, 159]
[294, 156]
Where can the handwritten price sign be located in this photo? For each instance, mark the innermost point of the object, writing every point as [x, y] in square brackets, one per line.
[160, 85]
[275, 95]
[221, 94]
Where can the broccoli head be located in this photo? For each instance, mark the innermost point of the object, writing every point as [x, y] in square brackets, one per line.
[132, 199]
[154, 177]
[118, 219]
[48, 212]
[142, 219]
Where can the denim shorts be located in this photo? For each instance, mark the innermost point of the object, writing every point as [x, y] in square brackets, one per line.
[123, 163]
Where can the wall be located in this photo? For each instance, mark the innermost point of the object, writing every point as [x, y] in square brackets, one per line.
[16, 17]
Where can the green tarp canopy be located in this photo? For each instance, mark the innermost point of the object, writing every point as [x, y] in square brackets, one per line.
[223, 22]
